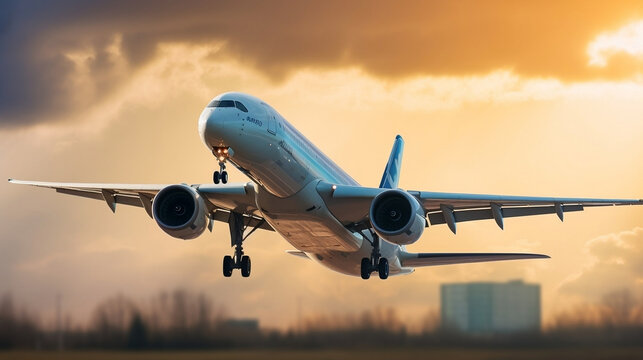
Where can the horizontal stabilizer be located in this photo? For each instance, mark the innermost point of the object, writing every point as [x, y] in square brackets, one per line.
[434, 259]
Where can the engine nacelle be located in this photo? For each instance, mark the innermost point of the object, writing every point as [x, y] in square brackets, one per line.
[180, 211]
[397, 217]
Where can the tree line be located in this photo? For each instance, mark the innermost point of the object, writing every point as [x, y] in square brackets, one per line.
[182, 319]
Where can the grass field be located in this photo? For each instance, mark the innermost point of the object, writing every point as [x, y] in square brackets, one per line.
[388, 354]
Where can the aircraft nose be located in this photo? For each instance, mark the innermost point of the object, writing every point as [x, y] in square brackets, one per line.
[212, 127]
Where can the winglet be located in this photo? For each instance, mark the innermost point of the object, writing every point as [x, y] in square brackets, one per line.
[391, 176]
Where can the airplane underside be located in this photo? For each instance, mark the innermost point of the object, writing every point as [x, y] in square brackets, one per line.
[304, 220]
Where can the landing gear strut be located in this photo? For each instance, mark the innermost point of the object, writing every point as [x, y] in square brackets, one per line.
[221, 175]
[239, 260]
[376, 263]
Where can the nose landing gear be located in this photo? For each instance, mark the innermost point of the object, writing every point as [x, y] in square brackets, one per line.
[222, 154]
[220, 175]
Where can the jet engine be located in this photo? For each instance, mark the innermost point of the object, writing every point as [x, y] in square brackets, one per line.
[180, 211]
[397, 217]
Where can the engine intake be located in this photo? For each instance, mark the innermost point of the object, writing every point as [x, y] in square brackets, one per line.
[180, 211]
[397, 217]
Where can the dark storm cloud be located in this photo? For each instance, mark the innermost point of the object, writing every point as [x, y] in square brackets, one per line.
[6, 9]
[389, 39]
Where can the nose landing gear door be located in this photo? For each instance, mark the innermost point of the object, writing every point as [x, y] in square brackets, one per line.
[272, 122]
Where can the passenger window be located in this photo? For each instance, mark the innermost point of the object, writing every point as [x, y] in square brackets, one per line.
[240, 106]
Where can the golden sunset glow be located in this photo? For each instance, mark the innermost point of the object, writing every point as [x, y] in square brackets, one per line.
[483, 105]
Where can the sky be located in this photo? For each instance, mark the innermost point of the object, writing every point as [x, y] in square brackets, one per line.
[500, 97]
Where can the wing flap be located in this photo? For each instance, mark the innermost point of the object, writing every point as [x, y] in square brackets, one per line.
[118, 198]
[86, 194]
[435, 259]
[436, 218]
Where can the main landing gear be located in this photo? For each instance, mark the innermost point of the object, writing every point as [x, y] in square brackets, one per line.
[376, 263]
[239, 260]
[220, 175]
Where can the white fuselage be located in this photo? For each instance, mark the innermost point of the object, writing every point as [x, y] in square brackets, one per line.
[287, 168]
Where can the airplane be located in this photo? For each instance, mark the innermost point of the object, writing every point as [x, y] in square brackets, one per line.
[311, 202]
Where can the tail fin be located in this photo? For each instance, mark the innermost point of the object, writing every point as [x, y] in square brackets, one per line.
[391, 175]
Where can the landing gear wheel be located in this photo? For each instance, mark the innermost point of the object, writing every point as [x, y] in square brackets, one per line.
[217, 176]
[224, 177]
[239, 260]
[228, 265]
[366, 268]
[382, 268]
[376, 263]
[245, 266]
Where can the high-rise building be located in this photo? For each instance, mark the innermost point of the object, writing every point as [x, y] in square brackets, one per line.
[488, 307]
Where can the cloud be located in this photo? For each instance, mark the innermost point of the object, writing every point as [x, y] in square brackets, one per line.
[615, 265]
[628, 40]
[63, 56]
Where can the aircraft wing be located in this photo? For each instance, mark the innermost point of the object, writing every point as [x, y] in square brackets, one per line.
[451, 208]
[434, 259]
[220, 199]
[350, 204]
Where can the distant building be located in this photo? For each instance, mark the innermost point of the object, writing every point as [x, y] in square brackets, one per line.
[487, 307]
[242, 324]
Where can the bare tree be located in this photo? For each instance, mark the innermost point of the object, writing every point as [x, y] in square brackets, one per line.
[18, 328]
[111, 320]
[619, 308]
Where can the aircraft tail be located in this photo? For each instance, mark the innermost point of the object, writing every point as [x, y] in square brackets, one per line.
[391, 175]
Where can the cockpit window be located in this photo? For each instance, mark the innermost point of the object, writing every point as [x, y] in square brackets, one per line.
[240, 106]
[228, 103]
[221, 103]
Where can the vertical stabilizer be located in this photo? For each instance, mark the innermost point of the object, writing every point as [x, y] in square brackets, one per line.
[391, 175]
